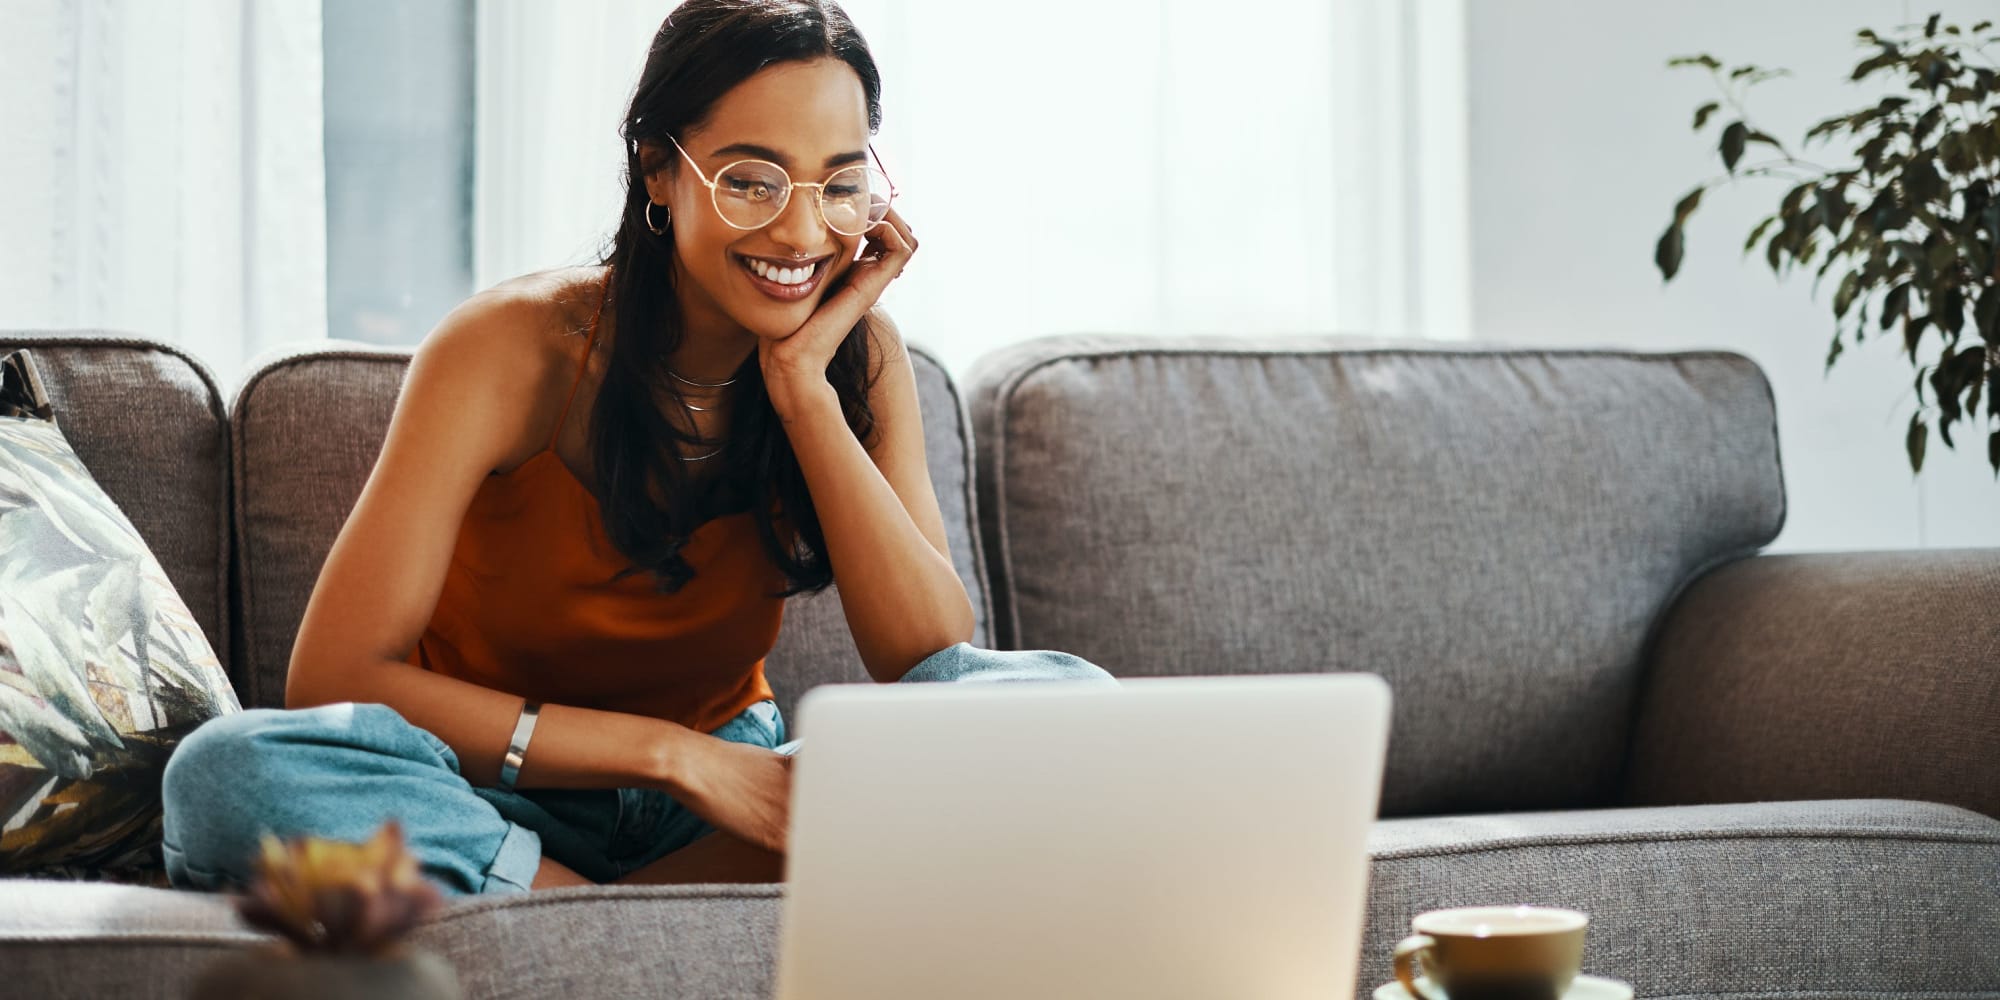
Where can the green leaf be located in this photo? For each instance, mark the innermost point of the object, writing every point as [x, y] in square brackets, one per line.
[1913, 333]
[1837, 123]
[1701, 114]
[1701, 60]
[1733, 139]
[1941, 256]
[1971, 364]
[1687, 205]
[1986, 315]
[1843, 299]
[1895, 304]
[1953, 311]
[1667, 255]
[1872, 64]
[1794, 198]
[1993, 452]
[1931, 25]
[1914, 442]
[1758, 233]
[1945, 387]
[1833, 205]
[1926, 122]
[1871, 154]
[1956, 153]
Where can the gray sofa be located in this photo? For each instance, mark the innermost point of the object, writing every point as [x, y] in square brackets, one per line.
[1763, 775]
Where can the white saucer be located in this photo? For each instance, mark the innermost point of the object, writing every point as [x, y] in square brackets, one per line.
[1584, 988]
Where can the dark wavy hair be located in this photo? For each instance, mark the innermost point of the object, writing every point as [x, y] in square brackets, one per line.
[645, 492]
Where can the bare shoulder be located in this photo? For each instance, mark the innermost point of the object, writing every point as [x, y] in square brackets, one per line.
[535, 319]
[514, 349]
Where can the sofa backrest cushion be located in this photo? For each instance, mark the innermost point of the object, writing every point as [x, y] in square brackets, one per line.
[309, 423]
[147, 421]
[1493, 530]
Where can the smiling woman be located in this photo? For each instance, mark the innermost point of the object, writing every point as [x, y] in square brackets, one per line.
[538, 642]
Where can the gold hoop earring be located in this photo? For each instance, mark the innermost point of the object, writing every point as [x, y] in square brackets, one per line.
[661, 228]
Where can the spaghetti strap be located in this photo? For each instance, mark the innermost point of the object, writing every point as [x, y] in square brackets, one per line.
[590, 342]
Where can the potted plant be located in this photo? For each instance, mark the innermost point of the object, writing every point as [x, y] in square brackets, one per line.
[1910, 217]
[340, 912]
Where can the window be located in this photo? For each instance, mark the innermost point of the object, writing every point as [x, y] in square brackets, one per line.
[399, 106]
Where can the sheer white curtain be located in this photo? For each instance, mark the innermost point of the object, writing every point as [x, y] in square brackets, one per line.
[163, 171]
[551, 84]
[1149, 166]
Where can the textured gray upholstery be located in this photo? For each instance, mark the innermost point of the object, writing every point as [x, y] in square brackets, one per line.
[147, 421]
[1776, 900]
[1492, 530]
[671, 942]
[1696, 901]
[81, 942]
[1535, 547]
[309, 423]
[1824, 676]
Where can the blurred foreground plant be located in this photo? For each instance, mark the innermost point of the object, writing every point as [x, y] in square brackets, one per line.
[342, 911]
[329, 896]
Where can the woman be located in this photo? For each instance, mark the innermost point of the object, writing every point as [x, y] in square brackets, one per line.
[538, 641]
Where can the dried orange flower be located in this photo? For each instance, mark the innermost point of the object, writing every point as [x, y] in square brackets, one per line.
[331, 896]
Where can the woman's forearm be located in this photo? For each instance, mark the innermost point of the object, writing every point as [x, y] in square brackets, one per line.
[905, 600]
[571, 747]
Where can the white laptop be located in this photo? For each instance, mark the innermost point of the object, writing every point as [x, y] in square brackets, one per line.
[1164, 838]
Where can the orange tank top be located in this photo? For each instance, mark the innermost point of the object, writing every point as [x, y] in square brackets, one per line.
[530, 606]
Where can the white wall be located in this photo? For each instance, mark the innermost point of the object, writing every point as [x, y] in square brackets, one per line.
[1579, 149]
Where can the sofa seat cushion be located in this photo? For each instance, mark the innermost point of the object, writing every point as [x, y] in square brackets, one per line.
[1848, 898]
[62, 940]
[1793, 900]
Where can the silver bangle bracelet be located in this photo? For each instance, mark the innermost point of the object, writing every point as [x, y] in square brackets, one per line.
[517, 748]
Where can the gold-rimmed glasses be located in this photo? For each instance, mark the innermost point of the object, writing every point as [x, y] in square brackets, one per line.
[751, 194]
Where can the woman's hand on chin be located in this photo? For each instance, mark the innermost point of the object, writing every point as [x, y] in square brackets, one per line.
[796, 364]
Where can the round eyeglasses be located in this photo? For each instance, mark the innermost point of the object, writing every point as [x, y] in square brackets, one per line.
[751, 194]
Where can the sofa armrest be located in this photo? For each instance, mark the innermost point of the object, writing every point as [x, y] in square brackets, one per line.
[1835, 676]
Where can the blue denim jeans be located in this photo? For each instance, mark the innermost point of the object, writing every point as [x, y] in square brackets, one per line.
[340, 771]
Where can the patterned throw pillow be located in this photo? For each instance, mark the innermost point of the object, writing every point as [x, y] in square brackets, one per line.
[102, 668]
